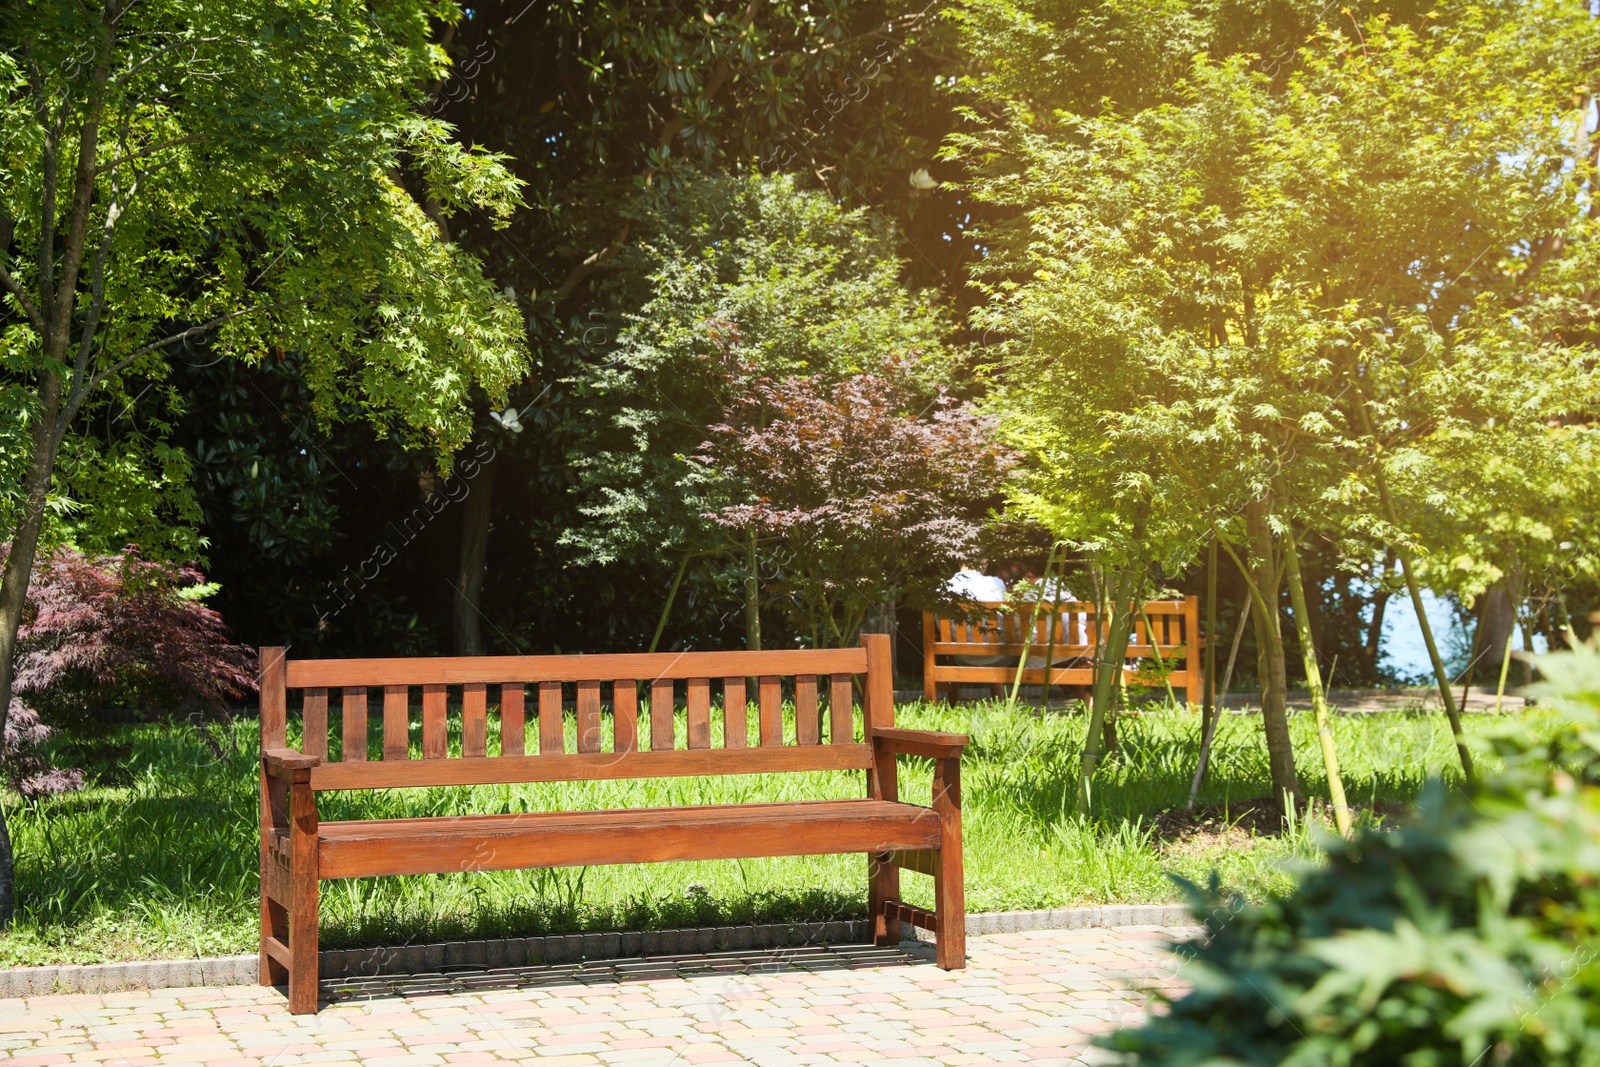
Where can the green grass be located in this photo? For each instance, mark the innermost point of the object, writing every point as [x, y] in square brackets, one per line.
[165, 864]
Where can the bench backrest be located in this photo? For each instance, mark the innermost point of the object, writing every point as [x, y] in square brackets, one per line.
[645, 696]
[1000, 629]
[1166, 635]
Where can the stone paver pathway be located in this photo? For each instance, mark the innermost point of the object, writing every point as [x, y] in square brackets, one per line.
[1034, 997]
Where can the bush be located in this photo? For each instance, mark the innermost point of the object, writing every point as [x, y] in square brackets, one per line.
[1467, 936]
[104, 631]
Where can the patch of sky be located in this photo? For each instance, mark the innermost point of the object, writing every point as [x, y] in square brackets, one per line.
[1403, 646]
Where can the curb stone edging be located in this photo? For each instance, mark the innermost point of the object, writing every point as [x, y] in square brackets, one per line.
[453, 956]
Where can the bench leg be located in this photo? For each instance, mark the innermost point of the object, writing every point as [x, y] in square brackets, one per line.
[883, 886]
[949, 904]
[949, 892]
[303, 948]
[274, 924]
[303, 903]
[274, 900]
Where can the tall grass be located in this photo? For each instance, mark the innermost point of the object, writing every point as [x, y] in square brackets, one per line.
[164, 863]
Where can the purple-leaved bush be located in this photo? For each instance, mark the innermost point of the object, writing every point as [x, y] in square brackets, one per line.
[101, 631]
[28, 770]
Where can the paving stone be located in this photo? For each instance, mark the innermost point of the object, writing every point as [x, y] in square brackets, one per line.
[1035, 993]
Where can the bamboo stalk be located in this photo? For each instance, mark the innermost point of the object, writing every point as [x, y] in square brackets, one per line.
[1209, 691]
[752, 600]
[1054, 618]
[1161, 662]
[672, 594]
[1213, 704]
[1505, 668]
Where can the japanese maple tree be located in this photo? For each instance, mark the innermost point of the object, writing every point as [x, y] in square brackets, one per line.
[107, 630]
[875, 491]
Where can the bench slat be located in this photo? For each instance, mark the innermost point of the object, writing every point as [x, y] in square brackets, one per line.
[625, 715]
[735, 714]
[589, 716]
[499, 770]
[353, 735]
[959, 648]
[314, 723]
[447, 670]
[1030, 675]
[807, 726]
[900, 911]
[474, 719]
[513, 719]
[552, 738]
[699, 701]
[841, 710]
[770, 708]
[661, 739]
[396, 727]
[560, 839]
[435, 724]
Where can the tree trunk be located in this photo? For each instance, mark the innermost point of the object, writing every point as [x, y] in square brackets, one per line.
[1319, 699]
[752, 600]
[1269, 657]
[1380, 601]
[468, 612]
[1494, 628]
[1439, 673]
[14, 581]
[1311, 587]
[52, 316]
[884, 622]
[1117, 620]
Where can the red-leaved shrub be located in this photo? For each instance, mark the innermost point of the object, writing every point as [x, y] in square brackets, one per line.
[106, 631]
[28, 770]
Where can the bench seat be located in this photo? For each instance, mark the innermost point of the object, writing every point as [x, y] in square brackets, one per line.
[366, 848]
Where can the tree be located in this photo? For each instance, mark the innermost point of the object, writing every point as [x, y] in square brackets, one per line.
[632, 105]
[123, 629]
[749, 278]
[250, 172]
[872, 493]
[1254, 300]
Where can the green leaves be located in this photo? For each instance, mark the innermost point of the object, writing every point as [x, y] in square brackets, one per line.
[756, 271]
[1207, 285]
[1463, 937]
[260, 179]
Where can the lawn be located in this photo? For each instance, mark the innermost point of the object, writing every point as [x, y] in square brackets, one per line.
[162, 860]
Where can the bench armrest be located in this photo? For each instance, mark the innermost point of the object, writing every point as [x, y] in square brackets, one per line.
[284, 762]
[931, 743]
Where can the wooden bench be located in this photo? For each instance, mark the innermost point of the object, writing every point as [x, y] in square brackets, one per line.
[1166, 635]
[298, 849]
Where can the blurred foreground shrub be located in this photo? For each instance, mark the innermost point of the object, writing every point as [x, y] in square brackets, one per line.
[1467, 936]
